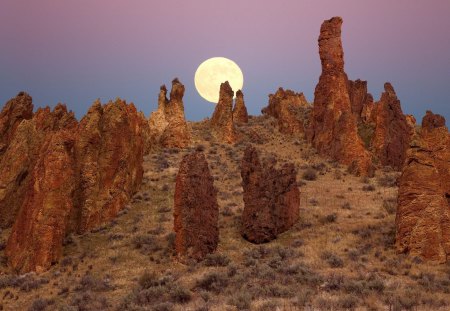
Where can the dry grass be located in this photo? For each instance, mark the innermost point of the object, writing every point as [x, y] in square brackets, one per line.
[339, 255]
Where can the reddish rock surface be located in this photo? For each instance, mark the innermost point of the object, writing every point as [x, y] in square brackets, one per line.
[222, 119]
[423, 213]
[15, 110]
[290, 109]
[333, 127]
[196, 211]
[168, 127]
[37, 236]
[359, 97]
[271, 198]
[240, 114]
[392, 131]
[109, 154]
[22, 154]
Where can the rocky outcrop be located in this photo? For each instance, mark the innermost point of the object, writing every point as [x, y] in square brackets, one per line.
[290, 109]
[240, 114]
[271, 198]
[109, 154]
[196, 211]
[68, 177]
[392, 131]
[221, 122]
[22, 154]
[37, 236]
[168, 127]
[359, 97]
[333, 127]
[15, 110]
[423, 213]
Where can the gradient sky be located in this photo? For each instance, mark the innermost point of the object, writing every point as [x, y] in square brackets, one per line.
[75, 51]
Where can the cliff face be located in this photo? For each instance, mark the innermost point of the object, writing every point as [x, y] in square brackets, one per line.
[333, 127]
[423, 213]
[168, 127]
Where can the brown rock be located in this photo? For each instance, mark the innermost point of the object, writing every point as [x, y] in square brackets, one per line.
[333, 128]
[240, 114]
[15, 110]
[22, 154]
[290, 109]
[196, 211]
[431, 121]
[109, 155]
[392, 131]
[222, 119]
[168, 126]
[36, 239]
[423, 213]
[359, 97]
[271, 198]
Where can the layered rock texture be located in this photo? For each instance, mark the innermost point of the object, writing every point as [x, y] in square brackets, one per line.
[271, 198]
[196, 210]
[168, 127]
[290, 109]
[333, 127]
[240, 114]
[222, 123]
[359, 97]
[423, 213]
[62, 176]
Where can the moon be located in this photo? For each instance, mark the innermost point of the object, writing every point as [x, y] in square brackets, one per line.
[214, 71]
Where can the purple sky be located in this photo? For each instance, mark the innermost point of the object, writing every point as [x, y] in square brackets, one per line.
[75, 51]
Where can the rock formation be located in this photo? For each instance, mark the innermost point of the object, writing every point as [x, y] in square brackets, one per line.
[290, 109]
[22, 154]
[196, 211]
[17, 109]
[68, 177]
[240, 114]
[423, 213]
[359, 97]
[333, 128]
[222, 119]
[37, 236]
[168, 127]
[109, 154]
[392, 131]
[271, 198]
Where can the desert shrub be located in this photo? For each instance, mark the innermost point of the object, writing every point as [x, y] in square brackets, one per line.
[310, 174]
[332, 260]
[314, 202]
[268, 306]
[347, 302]
[303, 297]
[148, 279]
[163, 306]
[146, 243]
[334, 282]
[40, 304]
[330, 218]
[390, 205]
[180, 294]
[346, 205]
[90, 282]
[366, 132]
[368, 188]
[216, 260]
[213, 281]
[200, 147]
[387, 180]
[241, 300]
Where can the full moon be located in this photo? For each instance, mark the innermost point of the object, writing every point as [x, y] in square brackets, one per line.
[214, 71]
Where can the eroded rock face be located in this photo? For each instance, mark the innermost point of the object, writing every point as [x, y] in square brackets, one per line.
[168, 127]
[392, 131]
[37, 236]
[431, 121]
[196, 211]
[271, 198]
[290, 109]
[240, 114]
[423, 213]
[359, 97]
[222, 119]
[22, 154]
[109, 154]
[15, 110]
[333, 127]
